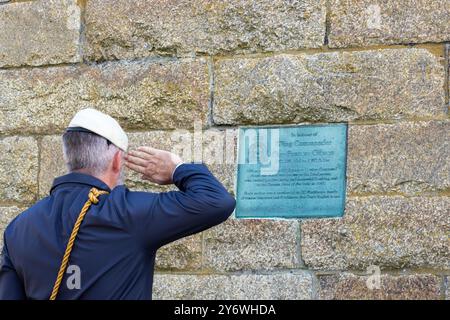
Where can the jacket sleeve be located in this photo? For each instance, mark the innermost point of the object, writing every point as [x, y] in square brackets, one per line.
[11, 287]
[201, 202]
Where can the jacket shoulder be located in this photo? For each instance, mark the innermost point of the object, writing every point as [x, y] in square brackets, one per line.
[27, 214]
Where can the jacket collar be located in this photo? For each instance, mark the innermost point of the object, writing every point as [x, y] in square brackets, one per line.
[76, 178]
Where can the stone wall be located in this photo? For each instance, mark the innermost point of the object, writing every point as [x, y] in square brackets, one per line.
[379, 65]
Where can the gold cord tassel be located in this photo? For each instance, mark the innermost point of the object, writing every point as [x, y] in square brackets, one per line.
[93, 199]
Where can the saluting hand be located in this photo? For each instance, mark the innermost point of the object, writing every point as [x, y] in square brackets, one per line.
[155, 165]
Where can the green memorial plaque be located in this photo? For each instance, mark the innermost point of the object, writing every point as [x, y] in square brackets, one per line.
[291, 172]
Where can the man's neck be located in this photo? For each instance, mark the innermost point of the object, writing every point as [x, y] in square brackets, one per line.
[105, 178]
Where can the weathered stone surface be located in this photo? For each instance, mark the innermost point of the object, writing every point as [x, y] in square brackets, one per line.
[6, 215]
[183, 254]
[347, 286]
[404, 157]
[447, 289]
[219, 152]
[118, 29]
[390, 232]
[18, 169]
[283, 286]
[52, 163]
[145, 94]
[39, 33]
[332, 86]
[447, 54]
[252, 244]
[368, 22]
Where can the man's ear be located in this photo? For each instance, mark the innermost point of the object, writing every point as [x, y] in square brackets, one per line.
[117, 161]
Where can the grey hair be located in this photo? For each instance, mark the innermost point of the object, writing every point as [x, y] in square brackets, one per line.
[88, 151]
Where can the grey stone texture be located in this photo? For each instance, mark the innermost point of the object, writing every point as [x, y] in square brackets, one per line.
[347, 286]
[51, 162]
[283, 286]
[7, 214]
[447, 289]
[330, 87]
[252, 244]
[18, 169]
[118, 29]
[143, 94]
[368, 22]
[183, 254]
[390, 232]
[406, 157]
[42, 32]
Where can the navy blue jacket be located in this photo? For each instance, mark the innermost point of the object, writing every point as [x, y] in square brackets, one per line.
[118, 239]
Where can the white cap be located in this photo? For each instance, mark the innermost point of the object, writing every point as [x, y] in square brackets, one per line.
[101, 124]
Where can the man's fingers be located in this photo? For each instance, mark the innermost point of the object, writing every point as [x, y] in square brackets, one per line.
[140, 154]
[136, 160]
[149, 150]
[148, 167]
[135, 167]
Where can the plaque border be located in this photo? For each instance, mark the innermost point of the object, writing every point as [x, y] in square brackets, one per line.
[290, 217]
